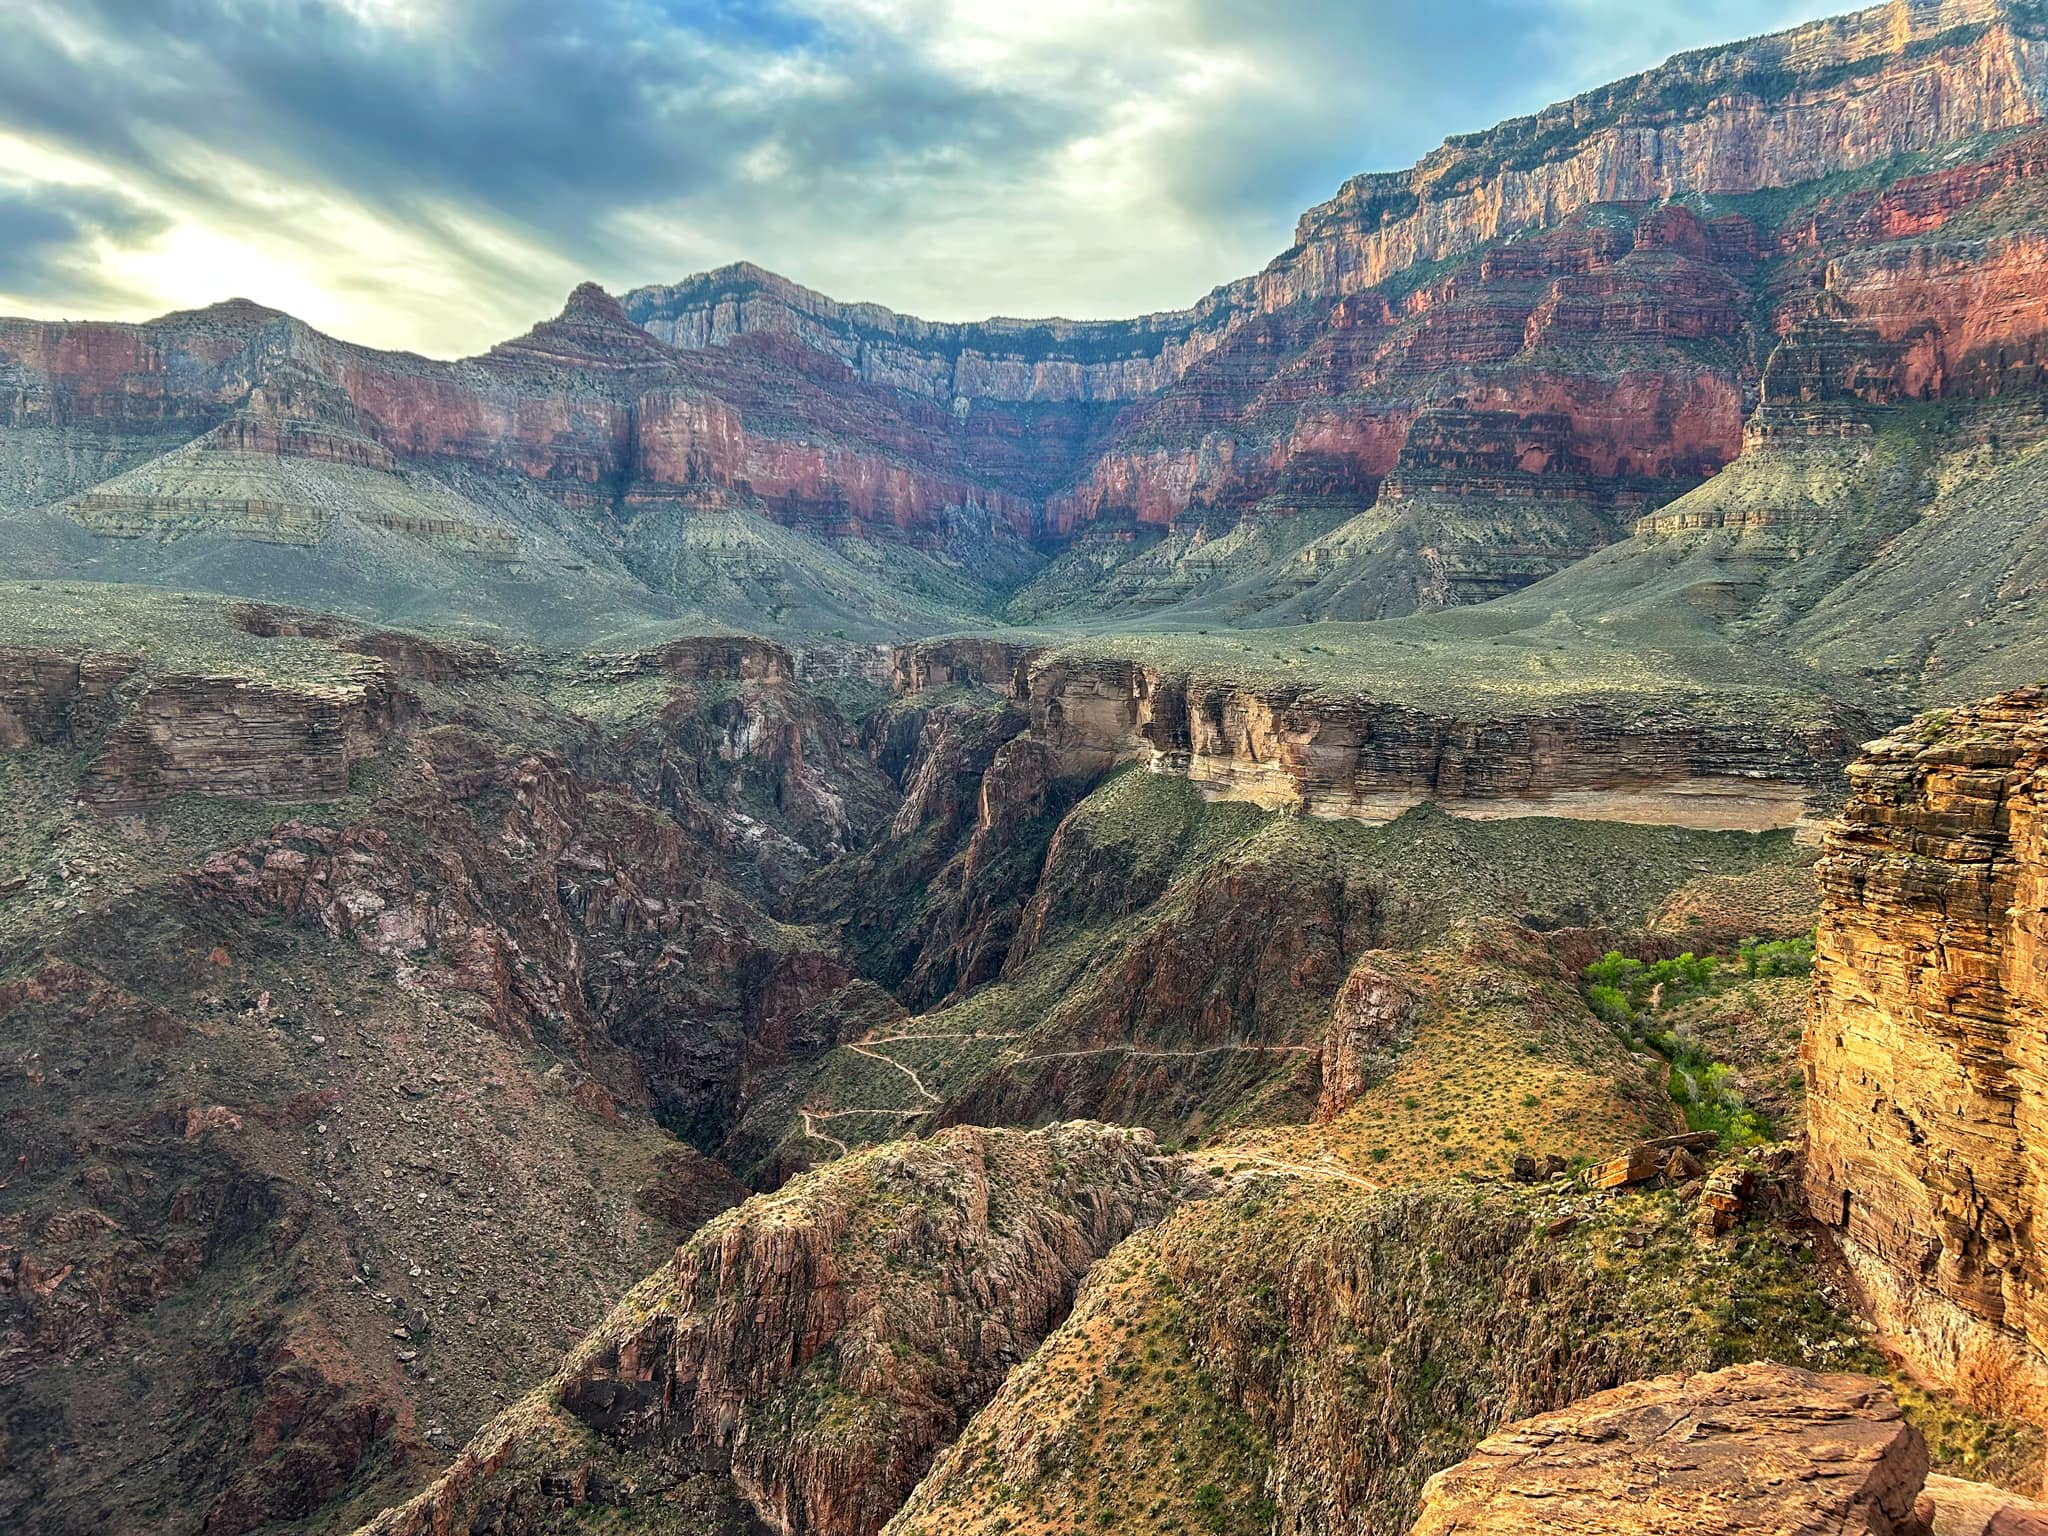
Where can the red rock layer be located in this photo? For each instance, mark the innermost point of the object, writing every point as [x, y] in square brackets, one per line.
[1532, 312]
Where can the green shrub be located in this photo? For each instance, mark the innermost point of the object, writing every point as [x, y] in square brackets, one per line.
[1610, 1005]
[1778, 957]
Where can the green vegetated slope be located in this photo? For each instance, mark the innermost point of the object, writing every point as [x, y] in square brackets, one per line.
[1176, 960]
[1301, 1349]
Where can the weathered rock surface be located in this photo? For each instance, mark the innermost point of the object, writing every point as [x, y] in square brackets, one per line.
[1927, 1095]
[275, 1088]
[1950, 1506]
[250, 740]
[803, 1358]
[1749, 1448]
[1337, 751]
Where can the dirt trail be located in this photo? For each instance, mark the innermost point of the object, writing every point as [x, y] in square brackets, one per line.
[860, 1048]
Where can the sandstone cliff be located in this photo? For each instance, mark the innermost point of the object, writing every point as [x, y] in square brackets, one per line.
[1333, 749]
[1922, 1056]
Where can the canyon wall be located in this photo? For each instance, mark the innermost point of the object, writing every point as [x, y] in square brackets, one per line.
[801, 1360]
[1508, 354]
[1341, 752]
[1883, 82]
[1927, 1094]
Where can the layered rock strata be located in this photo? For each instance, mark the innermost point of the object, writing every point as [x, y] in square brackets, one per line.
[244, 739]
[1499, 359]
[1927, 1091]
[1750, 1448]
[1330, 753]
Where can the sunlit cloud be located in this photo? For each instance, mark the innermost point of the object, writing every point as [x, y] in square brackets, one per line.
[435, 174]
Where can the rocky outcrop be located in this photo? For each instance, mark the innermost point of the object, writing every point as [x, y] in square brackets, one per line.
[1926, 1097]
[252, 740]
[1335, 752]
[1950, 1506]
[804, 1357]
[703, 659]
[1373, 1015]
[971, 661]
[1749, 1448]
[1037, 361]
[48, 698]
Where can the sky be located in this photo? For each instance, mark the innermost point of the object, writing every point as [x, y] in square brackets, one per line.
[437, 174]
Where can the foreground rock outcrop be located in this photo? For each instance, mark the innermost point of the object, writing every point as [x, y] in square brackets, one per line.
[1303, 1354]
[803, 1358]
[1927, 1090]
[1750, 1448]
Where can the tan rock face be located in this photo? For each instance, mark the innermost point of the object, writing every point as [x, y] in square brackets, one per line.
[1332, 754]
[1927, 1082]
[941, 663]
[1748, 1449]
[50, 699]
[1952, 1507]
[230, 736]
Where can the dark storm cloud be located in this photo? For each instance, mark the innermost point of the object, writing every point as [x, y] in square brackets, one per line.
[44, 234]
[554, 115]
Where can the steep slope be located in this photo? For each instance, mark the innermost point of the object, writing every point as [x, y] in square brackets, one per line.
[1303, 1354]
[799, 1362]
[582, 469]
[357, 997]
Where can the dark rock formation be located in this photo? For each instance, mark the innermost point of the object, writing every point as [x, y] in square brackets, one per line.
[802, 1360]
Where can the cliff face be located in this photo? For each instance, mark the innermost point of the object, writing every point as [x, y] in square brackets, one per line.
[800, 1362]
[1460, 379]
[1340, 752]
[1512, 351]
[1925, 1083]
[1882, 82]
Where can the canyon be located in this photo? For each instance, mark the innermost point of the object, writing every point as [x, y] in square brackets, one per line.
[1460, 380]
[1411, 899]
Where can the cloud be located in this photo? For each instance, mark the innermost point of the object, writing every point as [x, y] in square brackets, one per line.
[49, 234]
[435, 173]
